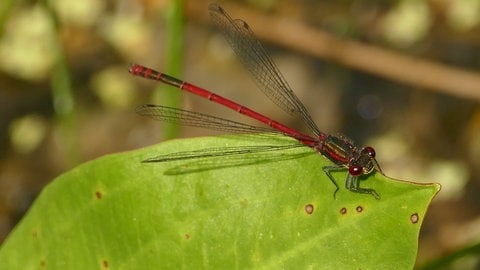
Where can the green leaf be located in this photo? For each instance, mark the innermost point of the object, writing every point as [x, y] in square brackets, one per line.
[269, 210]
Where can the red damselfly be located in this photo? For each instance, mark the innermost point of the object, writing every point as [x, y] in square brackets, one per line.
[340, 150]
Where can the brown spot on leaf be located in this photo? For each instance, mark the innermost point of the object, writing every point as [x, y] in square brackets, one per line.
[42, 263]
[343, 211]
[309, 208]
[105, 264]
[187, 236]
[414, 218]
[98, 194]
[359, 209]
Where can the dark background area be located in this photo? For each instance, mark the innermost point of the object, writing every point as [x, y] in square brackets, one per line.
[402, 76]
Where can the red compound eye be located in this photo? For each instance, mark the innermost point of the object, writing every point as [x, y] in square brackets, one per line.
[370, 151]
[355, 170]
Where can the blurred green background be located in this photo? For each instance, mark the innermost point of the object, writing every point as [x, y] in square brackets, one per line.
[402, 76]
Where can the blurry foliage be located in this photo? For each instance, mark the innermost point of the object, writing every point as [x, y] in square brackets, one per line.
[113, 88]
[407, 23]
[84, 13]
[27, 48]
[463, 15]
[27, 133]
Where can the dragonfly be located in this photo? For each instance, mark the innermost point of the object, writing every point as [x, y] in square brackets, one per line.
[340, 150]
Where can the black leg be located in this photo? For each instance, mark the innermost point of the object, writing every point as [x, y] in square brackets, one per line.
[351, 183]
[328, 170]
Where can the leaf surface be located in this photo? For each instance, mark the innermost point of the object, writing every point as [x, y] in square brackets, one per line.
[266, 210]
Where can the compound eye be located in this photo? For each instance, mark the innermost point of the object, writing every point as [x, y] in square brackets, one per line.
[370, 151]
[355, 170]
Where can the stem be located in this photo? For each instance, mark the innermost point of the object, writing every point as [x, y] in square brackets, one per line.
[174, 55]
